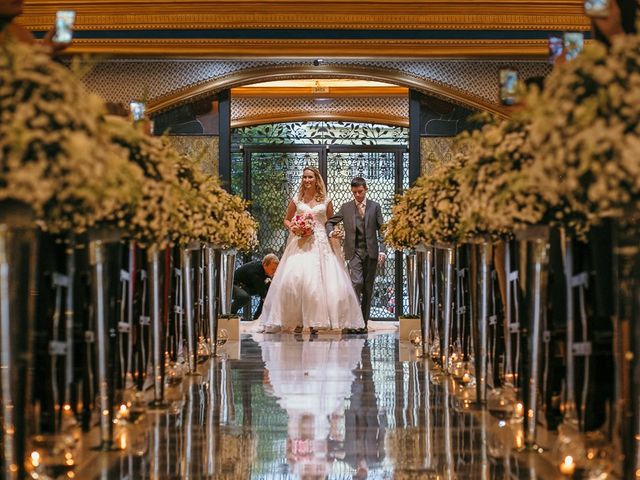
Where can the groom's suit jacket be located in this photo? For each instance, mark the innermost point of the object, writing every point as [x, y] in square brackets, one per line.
[373, 221]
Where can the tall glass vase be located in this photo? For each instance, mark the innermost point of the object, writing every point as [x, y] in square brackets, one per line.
[512, 324]
[188, 281]
[536, 242]
[482, 320]
[212, 304]
[227, 269]
[157, 330]
[448, 254]
[626, 323]
[426, 254]
[18, 259]
[411, 260]
[104, 259]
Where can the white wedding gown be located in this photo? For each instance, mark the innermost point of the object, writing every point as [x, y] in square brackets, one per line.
[311, 286]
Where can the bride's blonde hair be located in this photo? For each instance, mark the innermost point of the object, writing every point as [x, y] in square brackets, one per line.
[321, 189]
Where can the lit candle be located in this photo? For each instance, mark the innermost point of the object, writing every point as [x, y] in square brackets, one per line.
[568, 466]
[466, 378]
[35, 458]
[519, 441]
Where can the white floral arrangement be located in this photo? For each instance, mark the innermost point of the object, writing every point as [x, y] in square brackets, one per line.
[151, 220]
[179, 202]
[428, 212]
[495, 182]
[568, 158]
[78, 168]
[54, 154]
[209, 213]
[407, 214]
[586, 135]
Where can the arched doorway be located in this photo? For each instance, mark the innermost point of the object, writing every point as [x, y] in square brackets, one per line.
[267, 164]
[263, 152]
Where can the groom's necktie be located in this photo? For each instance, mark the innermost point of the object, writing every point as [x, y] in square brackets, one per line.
[361, 209]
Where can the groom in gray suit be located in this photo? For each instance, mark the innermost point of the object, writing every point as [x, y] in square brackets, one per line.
[363, 248]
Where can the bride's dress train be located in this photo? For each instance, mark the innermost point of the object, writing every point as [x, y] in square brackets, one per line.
[311, 286]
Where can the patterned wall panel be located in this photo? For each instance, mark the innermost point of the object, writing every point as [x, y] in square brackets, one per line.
[434, 150]
[479, 78]
[242, 108]
[123, 80]
[205, 148]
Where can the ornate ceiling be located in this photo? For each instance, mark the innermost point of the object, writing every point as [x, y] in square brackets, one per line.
[313, 28]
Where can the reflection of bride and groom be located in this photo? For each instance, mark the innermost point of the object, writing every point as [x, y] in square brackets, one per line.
[312, 381]
[312, 287]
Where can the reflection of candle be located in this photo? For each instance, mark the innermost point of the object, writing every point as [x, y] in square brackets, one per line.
[519, 410]
[568, 466]
[519, 439]
[123, 412]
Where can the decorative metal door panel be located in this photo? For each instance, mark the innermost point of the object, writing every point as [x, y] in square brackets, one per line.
[271, 179]
[272, 173]
[385, 170]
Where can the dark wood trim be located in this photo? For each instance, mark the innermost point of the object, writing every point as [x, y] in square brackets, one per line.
[414, 136]
[224, 145]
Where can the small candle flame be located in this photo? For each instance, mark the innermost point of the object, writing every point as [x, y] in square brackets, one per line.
[568, 466]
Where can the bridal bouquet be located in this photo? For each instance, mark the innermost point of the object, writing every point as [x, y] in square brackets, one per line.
[303, 225]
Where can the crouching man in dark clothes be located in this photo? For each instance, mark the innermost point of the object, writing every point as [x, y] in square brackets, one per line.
[253, 279]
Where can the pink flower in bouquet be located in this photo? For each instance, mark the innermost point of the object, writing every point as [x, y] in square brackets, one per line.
[303, 225]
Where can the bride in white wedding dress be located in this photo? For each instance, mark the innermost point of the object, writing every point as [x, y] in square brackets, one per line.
[311, 287]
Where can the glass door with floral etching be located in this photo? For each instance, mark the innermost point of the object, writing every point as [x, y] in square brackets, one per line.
[267, 165]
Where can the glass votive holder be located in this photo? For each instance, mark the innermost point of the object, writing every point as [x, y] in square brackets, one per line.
[223, 337]
[501, 402]
[415, 338]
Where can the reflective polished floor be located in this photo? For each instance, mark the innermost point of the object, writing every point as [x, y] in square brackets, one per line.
[334, 407]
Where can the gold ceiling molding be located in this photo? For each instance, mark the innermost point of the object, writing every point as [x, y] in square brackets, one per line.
[287, 72]
[361, 117]
[286, 48]
[320, 14]
[313, 92]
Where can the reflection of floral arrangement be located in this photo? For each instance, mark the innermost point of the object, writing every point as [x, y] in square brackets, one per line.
[584, 128]
[429, 211]
[237, 453]
[303, 225]
[54, 154]
[405, 449]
